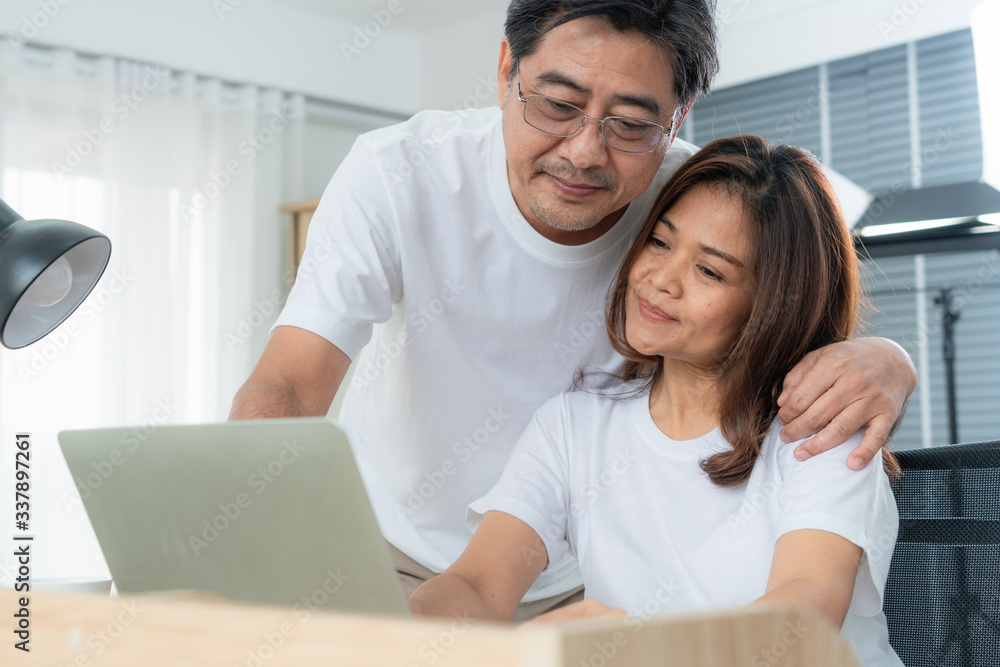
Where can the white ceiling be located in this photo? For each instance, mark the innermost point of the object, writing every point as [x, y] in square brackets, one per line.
[413, 16]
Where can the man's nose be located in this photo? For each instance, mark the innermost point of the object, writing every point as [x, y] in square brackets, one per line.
[586, 148]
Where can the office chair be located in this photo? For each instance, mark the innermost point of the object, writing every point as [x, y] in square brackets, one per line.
[942, 597]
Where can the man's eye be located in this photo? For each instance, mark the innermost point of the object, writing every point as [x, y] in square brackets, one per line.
[556, 108]
[626, 128]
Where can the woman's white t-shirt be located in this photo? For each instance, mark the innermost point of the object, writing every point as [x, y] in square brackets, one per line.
[595, 476]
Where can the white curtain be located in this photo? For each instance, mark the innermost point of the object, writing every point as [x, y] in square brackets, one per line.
[185, 175]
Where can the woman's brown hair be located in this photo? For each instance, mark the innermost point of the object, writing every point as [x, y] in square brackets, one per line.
[805, 292]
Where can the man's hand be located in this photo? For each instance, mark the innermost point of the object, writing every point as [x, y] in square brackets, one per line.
[836, 390]
[584, 609]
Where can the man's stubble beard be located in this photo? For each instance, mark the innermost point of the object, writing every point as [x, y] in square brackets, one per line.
[563, 216]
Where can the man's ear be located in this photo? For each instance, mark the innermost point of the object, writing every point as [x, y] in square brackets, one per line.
[680, 121]
[503, 71]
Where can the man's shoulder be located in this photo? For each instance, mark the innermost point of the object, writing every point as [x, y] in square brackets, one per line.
[679, 146]
[678, 152]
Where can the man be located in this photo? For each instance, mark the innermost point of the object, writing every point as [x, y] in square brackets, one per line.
[466, 261]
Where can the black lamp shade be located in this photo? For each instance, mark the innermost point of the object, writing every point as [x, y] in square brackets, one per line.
[47, 269]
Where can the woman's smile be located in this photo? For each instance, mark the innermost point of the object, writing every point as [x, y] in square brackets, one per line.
[654, 314]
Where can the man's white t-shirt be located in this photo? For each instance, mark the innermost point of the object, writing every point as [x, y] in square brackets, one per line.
[595, 476]
[468, 318]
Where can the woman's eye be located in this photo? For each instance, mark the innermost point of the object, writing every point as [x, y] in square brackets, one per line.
[710, 273]
[656, 243]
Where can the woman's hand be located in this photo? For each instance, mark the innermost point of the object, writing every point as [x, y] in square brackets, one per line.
[838, 389]
[584, 609]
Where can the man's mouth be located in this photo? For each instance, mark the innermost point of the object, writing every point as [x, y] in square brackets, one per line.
[572, 189]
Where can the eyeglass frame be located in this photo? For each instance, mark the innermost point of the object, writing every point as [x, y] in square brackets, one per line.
[600, 121]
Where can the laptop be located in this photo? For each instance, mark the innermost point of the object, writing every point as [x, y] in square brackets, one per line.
[269, 511]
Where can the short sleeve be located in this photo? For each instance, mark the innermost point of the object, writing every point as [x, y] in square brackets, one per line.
[349, 275]
[534, 486]
[822, 493]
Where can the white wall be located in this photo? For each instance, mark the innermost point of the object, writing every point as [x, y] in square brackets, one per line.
[271, 45]
[454, 66]
[256, 42]
[758, 38]
[455, 58]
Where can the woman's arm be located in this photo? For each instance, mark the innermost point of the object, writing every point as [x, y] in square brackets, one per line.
[488, 580]
[816, 570]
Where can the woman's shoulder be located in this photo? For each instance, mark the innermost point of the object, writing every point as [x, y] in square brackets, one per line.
[587, 405]
[781, 455]
[604, 398]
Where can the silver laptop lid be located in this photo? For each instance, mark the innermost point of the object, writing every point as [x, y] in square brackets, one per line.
[270, 511]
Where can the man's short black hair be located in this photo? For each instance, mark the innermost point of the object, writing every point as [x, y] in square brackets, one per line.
[685, 29]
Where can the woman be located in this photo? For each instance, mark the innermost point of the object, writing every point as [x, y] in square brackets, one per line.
[675, 491]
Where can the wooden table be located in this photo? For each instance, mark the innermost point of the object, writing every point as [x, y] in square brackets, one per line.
[162, 630]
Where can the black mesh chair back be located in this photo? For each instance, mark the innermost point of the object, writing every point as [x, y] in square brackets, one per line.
[942, 598]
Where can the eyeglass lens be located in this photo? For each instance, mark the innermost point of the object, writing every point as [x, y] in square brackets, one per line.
[552, 116]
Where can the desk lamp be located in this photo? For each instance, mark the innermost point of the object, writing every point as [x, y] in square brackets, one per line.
[47, 269]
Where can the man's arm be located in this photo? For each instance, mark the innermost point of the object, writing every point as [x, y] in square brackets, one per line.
[836, 390]
[297, 375]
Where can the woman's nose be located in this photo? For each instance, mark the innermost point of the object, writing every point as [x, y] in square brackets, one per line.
[666, 276]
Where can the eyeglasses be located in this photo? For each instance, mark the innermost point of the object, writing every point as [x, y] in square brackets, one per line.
[562, 119]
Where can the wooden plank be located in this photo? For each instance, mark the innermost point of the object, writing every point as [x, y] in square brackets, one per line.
[295, 207]
[301, 215]
[761, 636]
[195, 631]
[171, 631]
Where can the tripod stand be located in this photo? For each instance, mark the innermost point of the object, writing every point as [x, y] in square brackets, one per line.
[950, 316]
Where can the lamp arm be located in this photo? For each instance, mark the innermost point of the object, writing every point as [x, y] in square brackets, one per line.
[8, 216]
